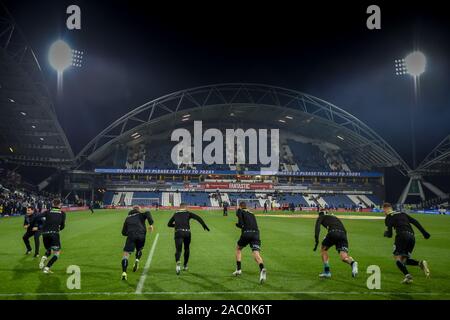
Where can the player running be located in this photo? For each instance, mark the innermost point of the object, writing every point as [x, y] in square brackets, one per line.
[53, 221]
[32, 230]
[404, 240]
[135, 231]
[249, 236]
[180, 221]
[336, 236]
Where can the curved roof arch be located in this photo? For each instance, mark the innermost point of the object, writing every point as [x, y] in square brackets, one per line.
[438, 160]
[343, 128]
[30, 133]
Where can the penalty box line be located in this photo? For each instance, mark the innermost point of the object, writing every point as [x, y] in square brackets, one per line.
[146, 267]
[350, 293]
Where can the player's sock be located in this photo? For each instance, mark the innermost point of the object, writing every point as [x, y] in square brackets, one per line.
[402, 267]
[52, 261]
[326, 267]
[261, 266]
[138, 255]
[238, 265]
[412, 262]
[124, 264]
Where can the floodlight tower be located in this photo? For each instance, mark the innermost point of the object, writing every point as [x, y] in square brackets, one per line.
[61, 57]
[413, 64]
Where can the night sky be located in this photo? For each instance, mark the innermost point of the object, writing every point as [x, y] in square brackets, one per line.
[136, 53]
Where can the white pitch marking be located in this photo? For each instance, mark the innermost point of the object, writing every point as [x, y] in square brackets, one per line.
[146, 267]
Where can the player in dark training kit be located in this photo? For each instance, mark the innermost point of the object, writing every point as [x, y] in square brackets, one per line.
[336, 236]
[404, 240]
[53, 221]
[135, 231]
[249, 236]
[32, 230]
[180, 221]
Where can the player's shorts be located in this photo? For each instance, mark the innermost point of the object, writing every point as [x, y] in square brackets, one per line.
[336, 238]
[182, 234]
[51, 241]
[134, 243]
[250, 238]
[404, 244]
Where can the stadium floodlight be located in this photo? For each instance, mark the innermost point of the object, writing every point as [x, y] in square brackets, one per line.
[11, 100]
[340, 137]
[289, 117]
[23, 113]
[415, 63]
[42, 139]
[60, 56]
[186, 115]
[281, 120]
[11, 149]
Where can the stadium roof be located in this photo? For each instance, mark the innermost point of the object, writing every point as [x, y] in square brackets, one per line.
[438, 161]
[239, 103]
[30, 133]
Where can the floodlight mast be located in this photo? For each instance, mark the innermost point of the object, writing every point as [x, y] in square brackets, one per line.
[413, 64]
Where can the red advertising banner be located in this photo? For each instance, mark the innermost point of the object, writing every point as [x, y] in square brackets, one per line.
[235, 185]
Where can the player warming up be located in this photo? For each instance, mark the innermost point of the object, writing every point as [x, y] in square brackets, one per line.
[180, 221]
[336, 236]
[404, 240]
[53, 221]
[32, 230]
[135, 231]
[249, 236]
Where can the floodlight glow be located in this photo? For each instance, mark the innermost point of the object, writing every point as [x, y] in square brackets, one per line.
[339, 137]
[415, 63]
[60, 56]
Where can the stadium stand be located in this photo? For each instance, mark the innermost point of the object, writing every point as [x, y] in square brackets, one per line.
[308, 156]
[196, 198]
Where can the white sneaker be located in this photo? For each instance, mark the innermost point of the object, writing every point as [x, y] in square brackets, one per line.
[47, 270]
[325, 275]
[262, 276]
[237, 273]
[408, 279]
[178, 269]
[424, 266]
[124, 276]
[136, 265]
[355, 269]
[42, 262]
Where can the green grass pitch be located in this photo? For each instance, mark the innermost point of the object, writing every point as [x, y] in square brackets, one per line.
[94, 243]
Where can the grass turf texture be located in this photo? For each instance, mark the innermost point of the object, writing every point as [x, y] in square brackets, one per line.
[94, 243]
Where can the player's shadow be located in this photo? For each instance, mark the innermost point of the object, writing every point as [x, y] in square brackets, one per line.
[205, 282]
[50, 284]
[21, 269]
